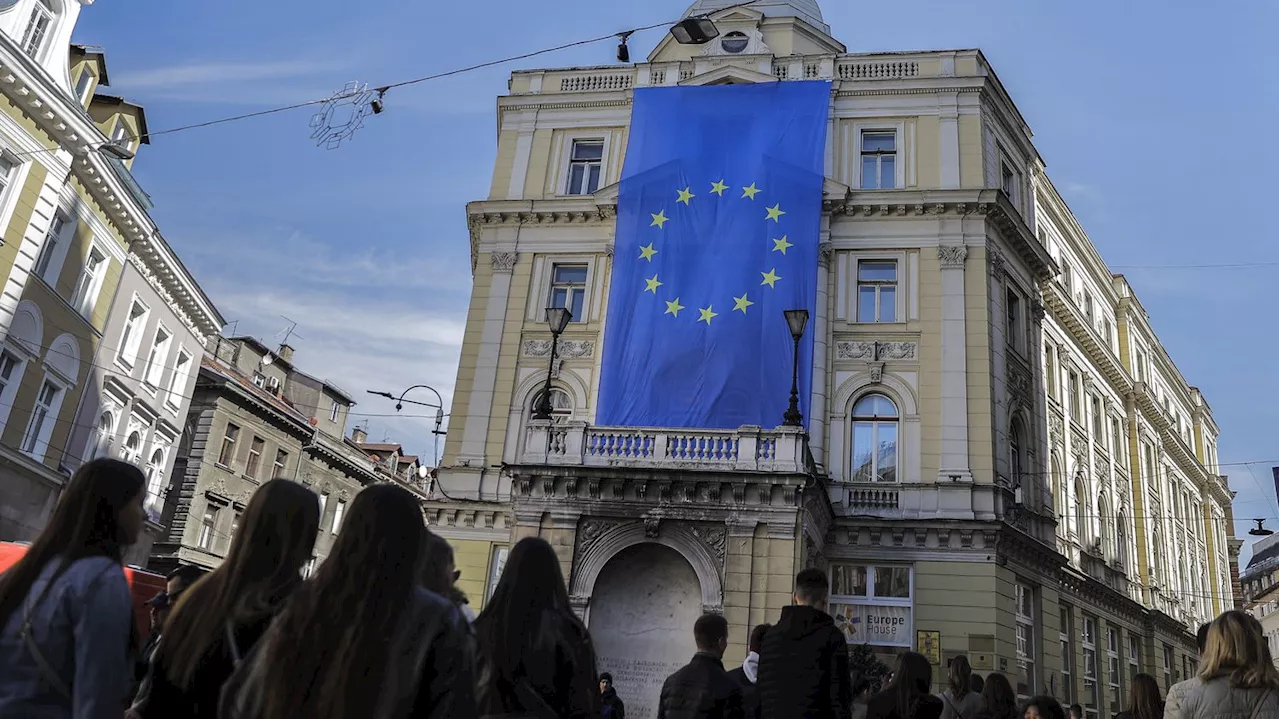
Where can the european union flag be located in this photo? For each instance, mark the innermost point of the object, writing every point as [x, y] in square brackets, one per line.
[718, 218]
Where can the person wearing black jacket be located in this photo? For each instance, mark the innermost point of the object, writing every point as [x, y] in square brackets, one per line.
[747, 674]
[804, 658]
[702, 688]
[611, 707]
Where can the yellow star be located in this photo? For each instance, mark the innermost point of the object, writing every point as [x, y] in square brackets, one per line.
[659, 219]
[706, 315]
[647, 252]
[750, 191]
[742, 303]
[719, 187]
[685, 196]
[770, 277]
[774, 213]
[782, 245]
[652, 284]
[674, 307]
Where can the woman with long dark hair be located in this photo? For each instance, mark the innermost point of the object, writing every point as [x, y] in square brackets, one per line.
[1145, 699]
[363, 638]
[958, 699]
[535, 655]
[998, 698]
[66, 615]
[1043, 707]
[234, 603]
[907, 696]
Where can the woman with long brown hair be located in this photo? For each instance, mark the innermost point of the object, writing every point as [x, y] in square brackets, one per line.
[1145, 699]
[907, 696]
[66, 615]
[999, 701]
[1238, 678]
[363, 639]
[233, 604]
[958, 700]
[536, 657]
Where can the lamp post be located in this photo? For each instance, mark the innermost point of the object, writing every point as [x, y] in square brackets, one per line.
[557, 319]
[796, 321]
[439, 407]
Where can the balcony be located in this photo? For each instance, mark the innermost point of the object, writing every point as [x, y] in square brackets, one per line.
[784, 450]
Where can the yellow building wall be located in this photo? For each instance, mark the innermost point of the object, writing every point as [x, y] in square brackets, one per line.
[928, 153]
[971, 165]
[508, 357]
[473, 557]
[759, 576]
[504, 164]
[480, 289]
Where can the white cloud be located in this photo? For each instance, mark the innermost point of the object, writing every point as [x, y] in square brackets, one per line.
[218, 73]
[271, 83]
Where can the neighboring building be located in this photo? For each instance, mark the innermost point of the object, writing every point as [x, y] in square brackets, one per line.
[390, 461]
[100, 323]
[1260, 583]
[256, 417]
[1066, 524]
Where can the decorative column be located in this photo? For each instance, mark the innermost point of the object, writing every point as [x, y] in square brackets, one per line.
[953, 464]
[817, 419]
[480, 406]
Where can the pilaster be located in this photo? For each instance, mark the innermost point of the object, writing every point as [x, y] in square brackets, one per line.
[476, 430]
[953, 465]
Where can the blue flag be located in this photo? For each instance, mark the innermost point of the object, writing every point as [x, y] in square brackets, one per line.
[718, 219]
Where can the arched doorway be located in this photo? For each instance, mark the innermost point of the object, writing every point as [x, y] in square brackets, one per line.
[643, 606]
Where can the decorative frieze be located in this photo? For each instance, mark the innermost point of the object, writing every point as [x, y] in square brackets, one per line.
[165, 295]
[825, 251]
[1018, 378]
[1055, 430]
[568, 349]
[874, 351]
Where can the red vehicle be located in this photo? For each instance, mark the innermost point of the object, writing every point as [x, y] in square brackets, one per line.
[143, 585]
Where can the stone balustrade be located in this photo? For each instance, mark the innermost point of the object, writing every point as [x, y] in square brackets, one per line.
[745, 449]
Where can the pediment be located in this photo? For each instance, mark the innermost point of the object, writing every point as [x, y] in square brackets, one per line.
[729, 75]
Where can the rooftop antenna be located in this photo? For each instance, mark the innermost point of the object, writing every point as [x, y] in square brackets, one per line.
[234, 325]
[290, 332]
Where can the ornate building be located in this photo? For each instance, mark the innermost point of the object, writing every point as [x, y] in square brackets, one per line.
[957, 497]
[101, 326]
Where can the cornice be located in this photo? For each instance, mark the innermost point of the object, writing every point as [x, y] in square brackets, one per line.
[32, 90]
[1068, 317]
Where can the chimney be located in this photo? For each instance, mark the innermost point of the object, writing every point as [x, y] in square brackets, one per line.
[358, 435]
[285, 353]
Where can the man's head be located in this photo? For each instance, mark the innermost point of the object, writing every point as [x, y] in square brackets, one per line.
[757, 636]
[182, 577]
[1077, 711]
[1202, 636]
[711, 634]
[606, 682]
[812, 588]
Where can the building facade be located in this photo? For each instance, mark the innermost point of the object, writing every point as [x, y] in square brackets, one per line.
[100, 322]
[1000, 459]
[1260, 583]
[255, 417]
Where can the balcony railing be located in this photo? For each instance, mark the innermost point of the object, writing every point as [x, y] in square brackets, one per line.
[746, 449]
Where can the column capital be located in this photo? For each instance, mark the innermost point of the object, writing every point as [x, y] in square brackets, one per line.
[504, 261]
[825, 251]
[952, 256]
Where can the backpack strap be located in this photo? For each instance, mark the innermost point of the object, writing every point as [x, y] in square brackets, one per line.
[26, 634]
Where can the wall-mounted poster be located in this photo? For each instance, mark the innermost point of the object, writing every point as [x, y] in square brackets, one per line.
[874, 624]
[930, 644]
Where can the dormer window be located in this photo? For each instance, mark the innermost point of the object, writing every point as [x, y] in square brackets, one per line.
[37, 27]
[122, 135]
[84, 85]
[734, 42]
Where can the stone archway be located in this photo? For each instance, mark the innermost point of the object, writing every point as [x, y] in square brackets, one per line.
[644, 602]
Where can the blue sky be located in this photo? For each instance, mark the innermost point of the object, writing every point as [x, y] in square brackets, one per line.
[1157, 120]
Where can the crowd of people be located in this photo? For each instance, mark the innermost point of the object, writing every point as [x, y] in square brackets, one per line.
[381, 631]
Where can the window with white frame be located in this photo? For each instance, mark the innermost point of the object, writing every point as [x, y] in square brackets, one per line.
[568, 289]
[132, 450]
[324, 502]
[235, 527]
[7, 167]
[875, 439]
[1082, 511]
[100, 439]
[38, 24]
[1117, 441]
[1068, 692]
[561, 405]
[1009, 181]
[122, 136]
[255, 457]
[208, 526]
[586, 159]
[178, 380]
[338, 511]
[1013, 320]
[877, 291]
[497, 562]
[333, 411]
[155, 482]
[89, 284]
[1017, 446]
[131, 337]
[1095, 410]
[1140, 359]
[872, 604]
[277, 467]
[1050, 373]
[44, 267]
[1073, 395]
[156, 357]
[10, 373]
[228, 452]
[879, 159]
[1134, 656]
[1113, 661]
[1088, 308]
[1106, 334]
[43, 416]
[84, 84]
[1122, 540]
[1167, 656]
[259, 380]
[1025, 633]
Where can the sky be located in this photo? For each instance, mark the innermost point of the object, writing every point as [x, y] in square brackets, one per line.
[1156, 119]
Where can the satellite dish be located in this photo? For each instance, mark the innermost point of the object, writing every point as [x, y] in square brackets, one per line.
[423, 471]
[267, 359]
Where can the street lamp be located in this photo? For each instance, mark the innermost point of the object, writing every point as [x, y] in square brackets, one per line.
[557, 319]
[695, 31]
[1260, 531]
[796, 321]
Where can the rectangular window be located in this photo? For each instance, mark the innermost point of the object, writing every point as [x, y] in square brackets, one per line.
[1106, 333]
[156, 358]
[89, 284]
[1113, 661]
[1050, 373]
[1013, 319]
[1068, 282]
[122, 136]
[497, 562]
[1024, 601]
[1068, 692]
[43, 415]
[324, 502]
[1117, 442]
[879, 159]
[873, 603]
[1073, 395]
[44, 260]
[255, 457]
[178, 380]
[585, 159]
[1009, 182]
[1140, 359]
[1088, 308]
[6, 173]
[277, 468]
[339, 509]
[1134, 656]
[1168, 666]
[37, 28]
[1095, 408]
[333, 411]
[235, 526]
[83, 84]
[568, 287]
[877, 291]
[208, 525]
[131, 338]
[8, 363]
[228, 452]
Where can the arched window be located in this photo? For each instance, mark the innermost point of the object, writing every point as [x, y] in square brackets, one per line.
[39, 24]
[133, 448]
[1059, 494]
[100, 438]
[1122, 540]
[155, 480]
[875, 439]
[561, 405]
[1082, 514]
[1104, 526]
[1016, 449]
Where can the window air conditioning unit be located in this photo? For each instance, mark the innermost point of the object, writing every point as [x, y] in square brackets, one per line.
[273, 383]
